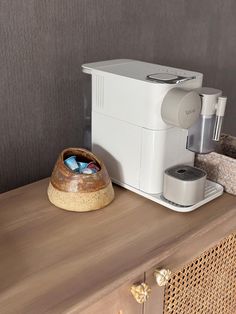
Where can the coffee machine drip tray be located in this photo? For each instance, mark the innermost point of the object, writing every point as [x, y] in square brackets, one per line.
[212, 191]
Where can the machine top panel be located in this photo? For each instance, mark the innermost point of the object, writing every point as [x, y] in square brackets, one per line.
[141, 71]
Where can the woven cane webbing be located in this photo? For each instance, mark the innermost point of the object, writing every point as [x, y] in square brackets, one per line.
[207, 285]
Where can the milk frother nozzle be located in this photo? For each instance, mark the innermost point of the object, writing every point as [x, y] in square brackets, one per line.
[220, 111]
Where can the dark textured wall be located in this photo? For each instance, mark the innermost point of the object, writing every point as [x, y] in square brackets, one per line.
[44, 97]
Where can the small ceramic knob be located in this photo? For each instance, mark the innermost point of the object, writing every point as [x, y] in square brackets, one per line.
[141, 292]
[162, 276]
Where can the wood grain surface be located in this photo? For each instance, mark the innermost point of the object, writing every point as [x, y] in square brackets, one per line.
[54, 261]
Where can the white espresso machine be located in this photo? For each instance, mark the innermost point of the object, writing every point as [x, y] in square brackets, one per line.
[147, 118]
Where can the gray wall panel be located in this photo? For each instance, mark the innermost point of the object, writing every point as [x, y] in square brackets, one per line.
[44, 97]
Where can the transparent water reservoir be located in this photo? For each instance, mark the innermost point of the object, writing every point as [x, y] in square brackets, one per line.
[200, 135]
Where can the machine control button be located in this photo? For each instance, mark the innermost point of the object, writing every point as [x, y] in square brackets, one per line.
[163, 76]
[168, 78]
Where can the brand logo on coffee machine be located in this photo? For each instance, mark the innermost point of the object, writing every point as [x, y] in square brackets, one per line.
[188, 112]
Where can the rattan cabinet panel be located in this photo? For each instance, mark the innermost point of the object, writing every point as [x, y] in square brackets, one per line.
[205, 285]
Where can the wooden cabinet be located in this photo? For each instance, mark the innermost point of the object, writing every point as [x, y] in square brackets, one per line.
[200, 284]
[58, 262]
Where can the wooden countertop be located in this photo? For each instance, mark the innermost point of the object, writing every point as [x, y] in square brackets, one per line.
[54, 261]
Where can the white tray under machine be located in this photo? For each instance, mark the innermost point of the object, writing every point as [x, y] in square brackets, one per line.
[128, 130]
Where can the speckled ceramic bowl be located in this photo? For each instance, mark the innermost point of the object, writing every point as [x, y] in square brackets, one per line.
[79, 192]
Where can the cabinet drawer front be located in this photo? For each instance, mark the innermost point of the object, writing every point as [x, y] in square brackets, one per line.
[119, 301]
